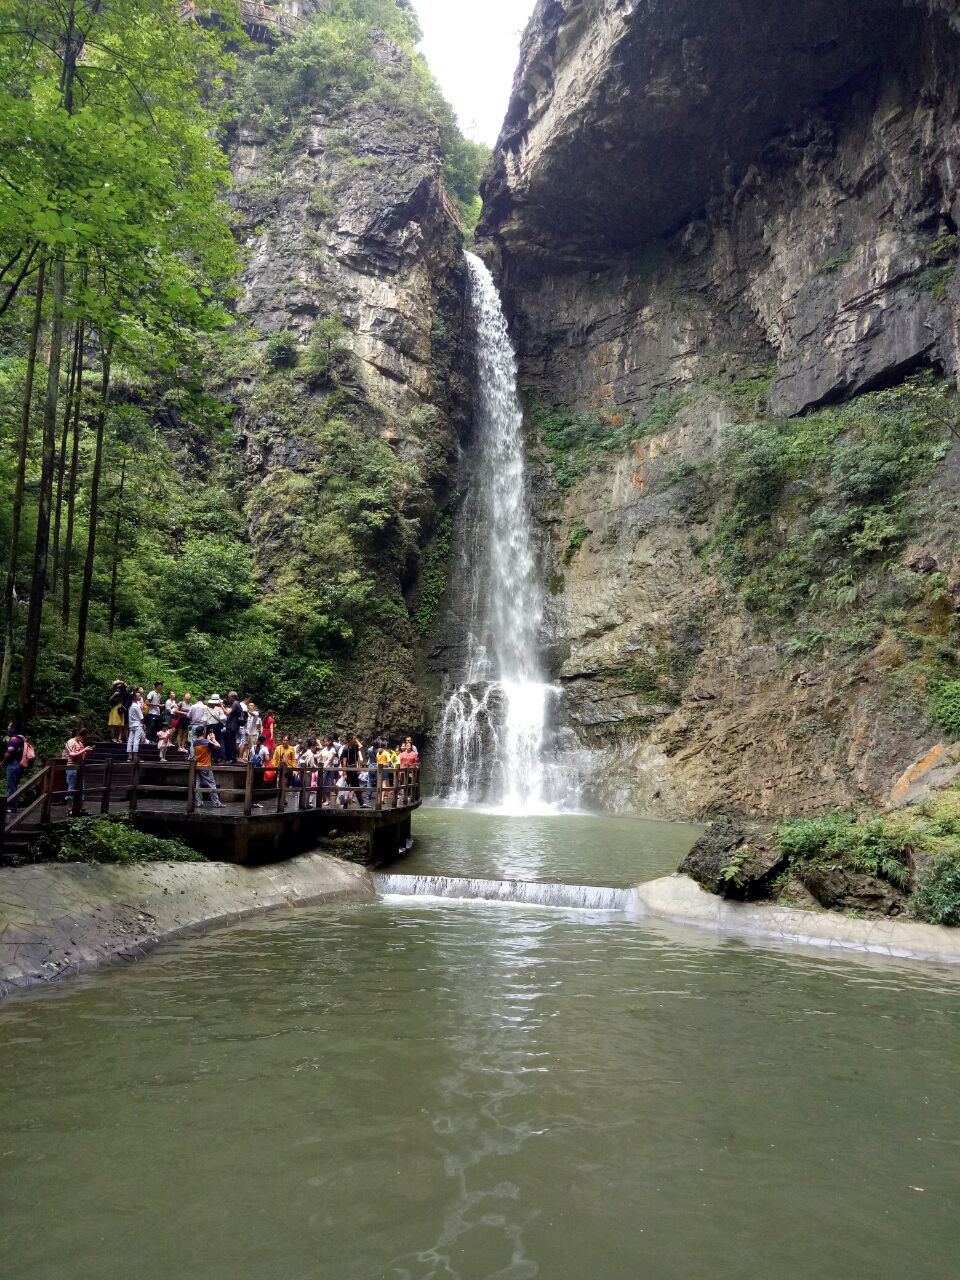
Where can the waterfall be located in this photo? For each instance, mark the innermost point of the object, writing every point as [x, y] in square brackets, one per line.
[579, 897]
[491, 734]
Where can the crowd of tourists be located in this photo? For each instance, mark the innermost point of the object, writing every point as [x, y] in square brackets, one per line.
[338, 770]
[342, 771]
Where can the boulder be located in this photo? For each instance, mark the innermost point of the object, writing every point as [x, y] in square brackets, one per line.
[728, 843]
[843, 890]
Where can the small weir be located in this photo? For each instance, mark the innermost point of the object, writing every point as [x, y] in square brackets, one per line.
[578, 897]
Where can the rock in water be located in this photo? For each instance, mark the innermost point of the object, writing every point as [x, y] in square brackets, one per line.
[734, 860]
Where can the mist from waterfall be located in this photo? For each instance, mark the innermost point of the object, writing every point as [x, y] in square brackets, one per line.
[491, 735]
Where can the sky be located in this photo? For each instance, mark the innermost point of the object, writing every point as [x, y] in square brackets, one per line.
[473, 51]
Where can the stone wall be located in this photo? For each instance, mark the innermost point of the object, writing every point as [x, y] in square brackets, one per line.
[58, 920]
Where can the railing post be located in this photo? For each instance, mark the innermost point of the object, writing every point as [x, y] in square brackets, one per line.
[191, 785]
[379, 786]
[304, 777]
[3, 820]
[107, 782]
[248, 791]
[282, 787]
[134, 783]
[47, 804]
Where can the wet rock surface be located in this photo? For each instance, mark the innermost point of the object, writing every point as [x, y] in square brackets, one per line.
[734, 861]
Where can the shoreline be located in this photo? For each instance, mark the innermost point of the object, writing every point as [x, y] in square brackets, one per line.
[681, 900]
[62, 919]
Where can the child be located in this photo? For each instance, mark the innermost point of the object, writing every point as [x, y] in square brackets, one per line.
[163, 741]
[343, 790]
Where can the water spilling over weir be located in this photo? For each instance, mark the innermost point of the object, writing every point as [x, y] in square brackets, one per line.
[494, 723]
[577, 897]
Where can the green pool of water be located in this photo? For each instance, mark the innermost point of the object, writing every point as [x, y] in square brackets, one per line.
[481, 1092]
[565, 850]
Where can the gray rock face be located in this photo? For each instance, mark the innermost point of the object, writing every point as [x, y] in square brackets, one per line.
[667, 199]
[686, 194]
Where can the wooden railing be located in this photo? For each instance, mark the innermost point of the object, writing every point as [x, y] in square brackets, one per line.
[142, 786]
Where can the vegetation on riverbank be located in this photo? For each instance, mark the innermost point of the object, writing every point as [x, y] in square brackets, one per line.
[110, 840]
[901, 863]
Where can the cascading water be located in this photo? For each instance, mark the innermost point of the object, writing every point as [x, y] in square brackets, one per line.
[491, 735]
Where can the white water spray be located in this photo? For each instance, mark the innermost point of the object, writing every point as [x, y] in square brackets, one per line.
[491, 736]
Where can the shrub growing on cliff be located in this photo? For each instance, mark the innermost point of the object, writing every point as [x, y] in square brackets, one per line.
[111, 840]
[819, 500]
[281, 350]
[937, 896]
[946, 707]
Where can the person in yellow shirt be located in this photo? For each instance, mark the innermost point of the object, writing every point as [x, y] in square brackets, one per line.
[389, 760]
[284, 753]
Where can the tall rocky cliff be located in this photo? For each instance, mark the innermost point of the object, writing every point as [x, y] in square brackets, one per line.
[727, 239]
[349, 397]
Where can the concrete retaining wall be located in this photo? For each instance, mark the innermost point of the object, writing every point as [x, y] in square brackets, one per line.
[681, 899]
[57, 919]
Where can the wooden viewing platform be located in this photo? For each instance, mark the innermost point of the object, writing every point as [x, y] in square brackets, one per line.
[257, 822]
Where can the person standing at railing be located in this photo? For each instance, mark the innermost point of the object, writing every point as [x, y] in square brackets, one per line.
[116, 721]
[351, 759]
[181, 722]
[170, 715]
[203, 755]
[309, 763]
[154, 711]
[253, 729]
[135, 733]
[232, 723]
[196, 719]
[14, 763]
[269, 731]
[388, 760]
[409, 760]
[286, 754]
[75, 752]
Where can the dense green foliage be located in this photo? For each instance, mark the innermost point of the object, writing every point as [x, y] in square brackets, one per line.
[109, 840]
[918, 847]
[817, 500]
[434, 574]
[116, 262]
[207, 572]
[937, 896]
[946, 706]
[875, 847]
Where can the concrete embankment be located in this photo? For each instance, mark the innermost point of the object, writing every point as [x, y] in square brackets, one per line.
[681, 899]
[57, 919]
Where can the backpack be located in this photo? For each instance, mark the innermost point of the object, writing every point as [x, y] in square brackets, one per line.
[28, 755]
